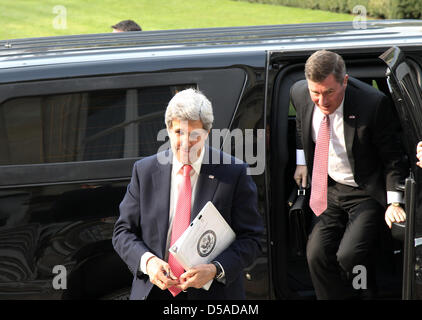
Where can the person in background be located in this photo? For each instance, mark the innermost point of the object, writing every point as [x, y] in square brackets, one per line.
[419, 154]
[126, 25]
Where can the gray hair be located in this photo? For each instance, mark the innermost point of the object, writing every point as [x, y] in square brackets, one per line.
[190, 104]
[322, 63]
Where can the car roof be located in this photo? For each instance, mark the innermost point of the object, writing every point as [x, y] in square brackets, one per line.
[144, 44]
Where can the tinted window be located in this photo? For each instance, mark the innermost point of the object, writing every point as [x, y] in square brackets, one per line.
[95, 125]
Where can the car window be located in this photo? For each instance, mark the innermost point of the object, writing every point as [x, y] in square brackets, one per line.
[94, 125]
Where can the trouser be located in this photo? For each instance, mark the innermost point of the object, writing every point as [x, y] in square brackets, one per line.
[340, 246]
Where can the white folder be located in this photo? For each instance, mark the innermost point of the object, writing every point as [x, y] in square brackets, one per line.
[206, 237]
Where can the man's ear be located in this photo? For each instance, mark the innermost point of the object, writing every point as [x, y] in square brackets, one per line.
[346, 78]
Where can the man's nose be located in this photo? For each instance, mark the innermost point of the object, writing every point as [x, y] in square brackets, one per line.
[186, 141]
[322, 100]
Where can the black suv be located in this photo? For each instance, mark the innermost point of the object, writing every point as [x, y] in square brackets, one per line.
[76, 112]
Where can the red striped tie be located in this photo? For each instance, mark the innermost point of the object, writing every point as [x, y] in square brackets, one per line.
[181, 221]
[318, 201]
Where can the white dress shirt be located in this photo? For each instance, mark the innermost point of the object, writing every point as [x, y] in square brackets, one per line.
[339, 168]
[176, 179]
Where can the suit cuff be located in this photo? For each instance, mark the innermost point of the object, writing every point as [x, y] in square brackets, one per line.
[144, 260]
[394, 196]
[300, 157]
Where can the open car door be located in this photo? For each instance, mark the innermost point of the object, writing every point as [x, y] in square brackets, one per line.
[404, 77]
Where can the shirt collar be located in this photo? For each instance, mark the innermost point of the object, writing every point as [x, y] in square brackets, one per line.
[340, 109]
[196, 166]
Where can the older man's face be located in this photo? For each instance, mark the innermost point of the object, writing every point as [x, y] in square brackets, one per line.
[187, 137]
[327, 94]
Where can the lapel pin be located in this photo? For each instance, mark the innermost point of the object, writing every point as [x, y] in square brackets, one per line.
[352, 117]
[211, 176]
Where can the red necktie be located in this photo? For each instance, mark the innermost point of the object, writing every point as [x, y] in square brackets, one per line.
[181, 221]
[318, 201]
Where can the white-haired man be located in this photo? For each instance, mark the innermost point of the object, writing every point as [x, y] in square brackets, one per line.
[163, 197]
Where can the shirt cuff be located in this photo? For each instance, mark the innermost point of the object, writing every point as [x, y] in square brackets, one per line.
[300, 157]
[144, 260]
[394, 196]
[223, 277]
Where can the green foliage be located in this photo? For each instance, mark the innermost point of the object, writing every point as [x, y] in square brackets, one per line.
[389, 9]
[405, 9]
[29, 18]
[380, 8]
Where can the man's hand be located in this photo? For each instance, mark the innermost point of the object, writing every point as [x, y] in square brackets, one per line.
[394, 214]
[419, 154]
[160, 274]
[197, 276]
[301, 176]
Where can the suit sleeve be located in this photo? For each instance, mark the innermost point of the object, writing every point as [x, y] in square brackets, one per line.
[293, 97]
[127, 235]
[247, 224]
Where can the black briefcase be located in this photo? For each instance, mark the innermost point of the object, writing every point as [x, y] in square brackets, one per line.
[299, 220]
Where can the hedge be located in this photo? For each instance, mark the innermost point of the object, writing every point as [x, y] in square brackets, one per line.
[388, 9]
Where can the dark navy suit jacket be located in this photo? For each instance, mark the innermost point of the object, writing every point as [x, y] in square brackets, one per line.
[144, 214]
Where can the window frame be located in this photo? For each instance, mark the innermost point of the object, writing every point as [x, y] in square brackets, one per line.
[212, 82]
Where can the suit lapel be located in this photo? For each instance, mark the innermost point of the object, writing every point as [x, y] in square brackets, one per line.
[308, 143]
[161, 182]
[349, 122]
[204, 191]
[206, 183]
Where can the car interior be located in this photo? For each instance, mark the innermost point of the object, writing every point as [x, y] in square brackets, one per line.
[289, 252]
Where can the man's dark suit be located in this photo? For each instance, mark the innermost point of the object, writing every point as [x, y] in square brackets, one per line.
[373, 148]
[371, 136]
[144, 214]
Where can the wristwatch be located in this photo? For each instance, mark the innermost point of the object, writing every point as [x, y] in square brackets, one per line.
[395, 204]
[219, 274]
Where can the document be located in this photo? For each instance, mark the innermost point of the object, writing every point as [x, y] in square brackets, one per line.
[206, 237]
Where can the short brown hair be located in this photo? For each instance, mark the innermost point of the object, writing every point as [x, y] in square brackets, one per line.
[322, 63]
[127, 25]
